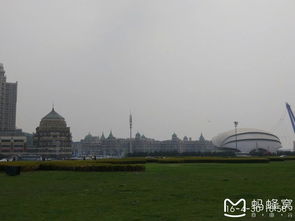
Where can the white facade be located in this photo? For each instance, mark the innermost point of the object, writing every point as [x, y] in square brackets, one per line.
[248, 140]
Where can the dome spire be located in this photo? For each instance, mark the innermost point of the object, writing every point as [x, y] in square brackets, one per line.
[102, 136]
[202, 138]
[53, 115]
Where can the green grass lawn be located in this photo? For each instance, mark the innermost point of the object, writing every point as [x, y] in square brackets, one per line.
[164, 192]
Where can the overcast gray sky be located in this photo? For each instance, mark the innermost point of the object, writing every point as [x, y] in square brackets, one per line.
[184, 66]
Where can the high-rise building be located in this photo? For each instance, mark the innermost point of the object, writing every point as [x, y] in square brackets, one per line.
[8, 99]
[12, 140]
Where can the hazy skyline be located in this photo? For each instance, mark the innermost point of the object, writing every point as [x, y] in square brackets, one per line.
[179, 66]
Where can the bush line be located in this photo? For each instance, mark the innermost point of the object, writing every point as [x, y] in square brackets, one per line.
[129, 164]
[213, 160]
[73, 166]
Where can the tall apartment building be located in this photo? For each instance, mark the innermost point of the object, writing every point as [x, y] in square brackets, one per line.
[8, 99]
[12, 140]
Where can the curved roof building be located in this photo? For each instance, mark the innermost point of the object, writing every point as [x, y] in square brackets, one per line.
[53, 137]
[53, 119]
[248, 140]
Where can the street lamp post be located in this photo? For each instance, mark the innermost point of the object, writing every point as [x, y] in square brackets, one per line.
[236, 133]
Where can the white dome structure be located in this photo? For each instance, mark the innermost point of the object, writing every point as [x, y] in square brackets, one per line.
[248, 140]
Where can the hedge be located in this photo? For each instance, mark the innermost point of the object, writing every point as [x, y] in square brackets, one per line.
[123, 161]
[282, 158]
[128, 164]
[25, 166]
[276, 158]
[289, 158]
[73, 166]
[213, 160]
[89, 167]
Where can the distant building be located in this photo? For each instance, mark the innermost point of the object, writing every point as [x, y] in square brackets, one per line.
[101, 146]
[12, 140]
[111, 146]
[8, 98]
[247, 141]
[53, 138]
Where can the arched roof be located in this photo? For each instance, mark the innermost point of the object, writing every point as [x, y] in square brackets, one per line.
[53, 115]
[243, 134]
[53, 119]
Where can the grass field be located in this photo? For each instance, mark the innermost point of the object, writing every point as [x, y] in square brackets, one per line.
[164, 192]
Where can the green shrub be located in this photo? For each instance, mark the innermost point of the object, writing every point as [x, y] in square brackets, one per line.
[91, 167]
[151, 160]
[123, 161]
[25, 166]
[73, 166]
[171, 160]
[276, 158]
[289, 158]
[213, 160]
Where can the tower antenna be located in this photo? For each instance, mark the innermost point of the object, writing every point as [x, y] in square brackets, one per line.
[130, 138]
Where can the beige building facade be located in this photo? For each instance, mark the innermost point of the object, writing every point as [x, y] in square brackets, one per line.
[53, 138]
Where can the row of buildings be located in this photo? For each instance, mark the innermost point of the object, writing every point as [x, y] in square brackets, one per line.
[53, 139]
[112, 146]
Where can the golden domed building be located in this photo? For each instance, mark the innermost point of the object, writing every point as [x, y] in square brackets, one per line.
[53, 138]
